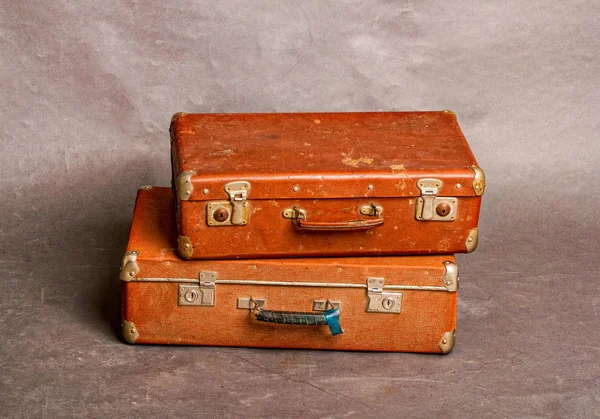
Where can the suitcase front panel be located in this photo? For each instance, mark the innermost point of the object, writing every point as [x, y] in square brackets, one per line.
[330, 227]
[425, 320]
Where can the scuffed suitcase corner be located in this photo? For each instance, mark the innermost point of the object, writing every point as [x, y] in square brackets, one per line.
[184, 186]
[184, 247]
[472, 240]
[130, 332]
[450, 277]
[478, 180]
[447, 342]
[129, 266]
[177, 115]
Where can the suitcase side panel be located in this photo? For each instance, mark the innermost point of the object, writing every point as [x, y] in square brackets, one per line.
[427, 318]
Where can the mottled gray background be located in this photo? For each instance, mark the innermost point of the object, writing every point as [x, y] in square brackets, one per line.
[87, 92]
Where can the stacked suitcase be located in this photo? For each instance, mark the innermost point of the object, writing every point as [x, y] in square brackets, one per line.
[322, 231]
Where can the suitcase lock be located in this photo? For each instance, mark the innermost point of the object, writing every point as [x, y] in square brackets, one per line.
[200, 294]
[234, 212]
[382, 302]
[430, 207]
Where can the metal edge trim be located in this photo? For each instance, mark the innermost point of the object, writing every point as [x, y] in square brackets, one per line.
[130, 332]
[184, 247]
[296, 284]
[478, 180]
[129, 267]
[447, 342]
[184, 185]
[450, 278]
[472, 240]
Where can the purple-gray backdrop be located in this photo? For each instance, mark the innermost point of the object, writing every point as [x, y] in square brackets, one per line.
[87, 92]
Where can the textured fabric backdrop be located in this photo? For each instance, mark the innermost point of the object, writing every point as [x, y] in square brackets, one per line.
[87, 92]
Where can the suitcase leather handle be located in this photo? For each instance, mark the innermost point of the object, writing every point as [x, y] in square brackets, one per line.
[330, 318]
[338, 225]
[299, 219]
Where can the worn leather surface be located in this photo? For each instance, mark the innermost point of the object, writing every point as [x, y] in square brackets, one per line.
[329, 164]
[88, 89]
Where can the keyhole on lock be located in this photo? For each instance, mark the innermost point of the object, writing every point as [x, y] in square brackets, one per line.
[191, 296]
[388, 303]
[443, 209]
[221, 214]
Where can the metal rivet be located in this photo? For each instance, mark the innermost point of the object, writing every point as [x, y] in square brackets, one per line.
[448, 282]
[339, 269]
[295, 188]
[458, 186]
[370, 187]
[205, 191]
[131, 273]
[187, 245]
[187, 192]
[444, 341]
[470, 239]
[132, 331]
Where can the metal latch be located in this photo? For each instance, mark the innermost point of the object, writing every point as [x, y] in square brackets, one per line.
[382, 302]
[430, 207]
[372, 210]
[233, 212]
[201, 294]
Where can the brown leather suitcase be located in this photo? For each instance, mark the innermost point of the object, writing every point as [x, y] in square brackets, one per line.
[404, 303]
[324, 184]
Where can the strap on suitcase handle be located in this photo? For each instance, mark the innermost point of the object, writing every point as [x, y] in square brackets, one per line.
[330, 318]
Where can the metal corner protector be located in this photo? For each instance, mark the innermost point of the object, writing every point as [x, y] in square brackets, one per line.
[478, 180]
[447, 342]
[184, 246]
[129, 266]
[130, 332]
[184, 185]
[472, 240]
[450, 277]
[177, 115]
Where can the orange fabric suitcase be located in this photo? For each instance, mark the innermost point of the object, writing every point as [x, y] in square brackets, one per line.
[405, 303]
[324, 184]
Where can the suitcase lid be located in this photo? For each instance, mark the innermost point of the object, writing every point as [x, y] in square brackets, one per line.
[321, 155]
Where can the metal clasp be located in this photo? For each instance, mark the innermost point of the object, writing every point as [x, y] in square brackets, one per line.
[238, 191]
[201, 294]
[382, 302]
[233, 212]
[430, 207]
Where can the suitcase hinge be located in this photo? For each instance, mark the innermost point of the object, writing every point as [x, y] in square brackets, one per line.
[382, 302]
[430, 207]
[233, 212]
[201, 294]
